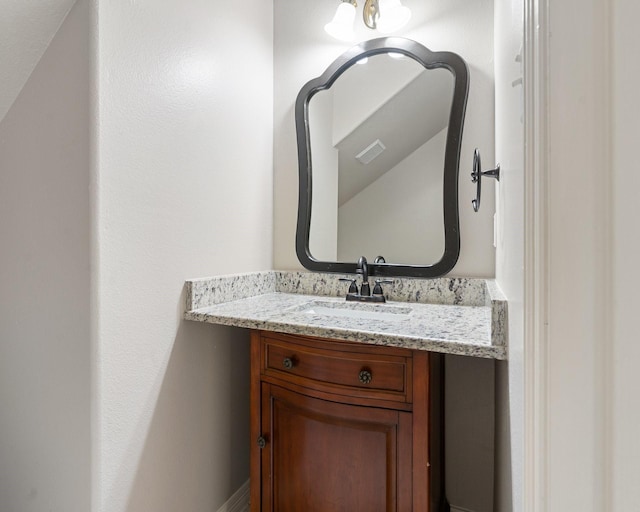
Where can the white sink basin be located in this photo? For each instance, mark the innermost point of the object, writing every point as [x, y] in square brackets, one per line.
[357, 310]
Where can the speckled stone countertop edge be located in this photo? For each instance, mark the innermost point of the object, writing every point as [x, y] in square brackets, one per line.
[357, 336]
[497, 301]
[207, 291]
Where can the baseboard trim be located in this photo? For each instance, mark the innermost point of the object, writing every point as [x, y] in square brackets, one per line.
[239, 502]
[459, 509]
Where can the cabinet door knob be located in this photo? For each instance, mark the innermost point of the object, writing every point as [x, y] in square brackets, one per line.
[365, 376]
[287, 363]
[262, 442]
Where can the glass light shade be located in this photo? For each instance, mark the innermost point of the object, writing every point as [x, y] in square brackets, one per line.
[341, 27]
[393, 16]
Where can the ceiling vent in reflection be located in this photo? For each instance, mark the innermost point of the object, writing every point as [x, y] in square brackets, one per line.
[371, 152]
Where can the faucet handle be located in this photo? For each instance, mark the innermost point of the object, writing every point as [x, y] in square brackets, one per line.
[377, 289]
[353, 287]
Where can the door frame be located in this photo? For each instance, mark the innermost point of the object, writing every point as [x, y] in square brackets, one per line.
[566, 350]
[536, 262]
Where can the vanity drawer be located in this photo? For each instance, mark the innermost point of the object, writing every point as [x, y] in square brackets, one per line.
[365, 371]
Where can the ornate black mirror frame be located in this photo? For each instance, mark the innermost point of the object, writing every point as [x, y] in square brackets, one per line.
[430, 60]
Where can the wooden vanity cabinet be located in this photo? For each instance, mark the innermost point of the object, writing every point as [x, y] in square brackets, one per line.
[342, 427]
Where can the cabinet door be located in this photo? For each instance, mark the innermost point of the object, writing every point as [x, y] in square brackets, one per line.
[323, 456]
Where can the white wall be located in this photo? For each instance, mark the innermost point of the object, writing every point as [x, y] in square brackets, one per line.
[583, 403]
[109, 200]
[625, 380]
[45, 379]
[583, 419]
[183, 189]
[303, 51]
[578, 263]
[510, 251]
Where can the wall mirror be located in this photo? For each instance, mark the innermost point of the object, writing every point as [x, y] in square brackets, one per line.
[379, 135]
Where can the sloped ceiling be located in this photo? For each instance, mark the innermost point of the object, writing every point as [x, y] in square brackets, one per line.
[26, 29]
[410, 118]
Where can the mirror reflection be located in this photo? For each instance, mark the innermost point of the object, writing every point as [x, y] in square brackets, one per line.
[377, 147]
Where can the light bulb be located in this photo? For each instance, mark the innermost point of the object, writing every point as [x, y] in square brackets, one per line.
[393, 16]
[341, 27]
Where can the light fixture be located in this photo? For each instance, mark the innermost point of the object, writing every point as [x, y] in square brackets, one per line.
[341, 27]
[393, 16]
[385, 16]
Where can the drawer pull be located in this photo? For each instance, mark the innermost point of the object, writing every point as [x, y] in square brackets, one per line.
[365, 376]
[262, 442]
[287, 363]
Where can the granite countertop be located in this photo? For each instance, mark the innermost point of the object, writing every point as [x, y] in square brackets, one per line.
[453, 316]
